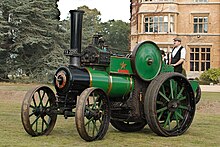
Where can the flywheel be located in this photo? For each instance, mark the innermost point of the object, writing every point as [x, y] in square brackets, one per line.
[146, 60]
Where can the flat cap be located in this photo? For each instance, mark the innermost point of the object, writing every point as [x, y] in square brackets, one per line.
[177, 39]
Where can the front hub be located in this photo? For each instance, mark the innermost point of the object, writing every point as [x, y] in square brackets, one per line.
[39, 111]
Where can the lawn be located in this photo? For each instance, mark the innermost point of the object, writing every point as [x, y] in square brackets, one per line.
[204, 130]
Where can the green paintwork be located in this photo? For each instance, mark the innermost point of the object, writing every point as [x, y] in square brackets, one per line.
[120, 65]
[115, 85]
[166, 68]
[148, 51]
[99, 78]
[194, 85]
[121, 85]
[169, 68]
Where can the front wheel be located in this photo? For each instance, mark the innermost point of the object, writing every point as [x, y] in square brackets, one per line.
[169, 104]
[92, 114]
[38, 113]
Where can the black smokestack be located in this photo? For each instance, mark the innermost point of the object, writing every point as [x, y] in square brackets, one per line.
[76, 37]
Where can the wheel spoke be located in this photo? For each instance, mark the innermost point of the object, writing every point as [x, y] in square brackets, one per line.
[33, 107]
[40, 98]
[170, 97]
[182, 98]
[175, 88]
[34, 101]
[42, 125]
[171, 88]
[164, 96]
[167, 120]
[94, 127]
[177, 120]
[159, 102]
[183, 107]
[100, 121]
[178, 114]
[87, 123]
[161, 113]
[36, 126]
[169, 124]
[31, 114]
[94, 100]
[179, 94]
[90, 110]
[45, 122]
[35, 121]
[47, 102]
[163, 89]
[100, 105]
[162, 109]
[43, 95]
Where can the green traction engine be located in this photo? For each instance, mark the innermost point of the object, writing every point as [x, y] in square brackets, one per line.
[98, 88]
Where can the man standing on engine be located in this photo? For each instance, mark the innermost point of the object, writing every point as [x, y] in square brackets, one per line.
[178, 55]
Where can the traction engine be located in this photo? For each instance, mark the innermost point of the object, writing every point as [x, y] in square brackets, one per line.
[97, 88]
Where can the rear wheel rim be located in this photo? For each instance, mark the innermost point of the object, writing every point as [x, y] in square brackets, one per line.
[172, 109]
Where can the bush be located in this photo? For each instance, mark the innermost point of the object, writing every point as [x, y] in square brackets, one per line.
[211, 75]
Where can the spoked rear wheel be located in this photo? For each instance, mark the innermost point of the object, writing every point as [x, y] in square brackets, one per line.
[92, 114]
[169, 104]
[37, 111]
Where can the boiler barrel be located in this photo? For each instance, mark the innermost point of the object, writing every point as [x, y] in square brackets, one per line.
[115, 85]
[78, 79]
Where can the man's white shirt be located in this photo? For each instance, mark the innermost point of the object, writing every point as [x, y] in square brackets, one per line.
[182, 54]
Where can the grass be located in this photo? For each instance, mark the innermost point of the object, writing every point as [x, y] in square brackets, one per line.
[204, 130]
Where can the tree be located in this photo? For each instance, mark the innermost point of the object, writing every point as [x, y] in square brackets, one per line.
[4, 38]
[91, 24]
[116, 34]
[34, 40]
